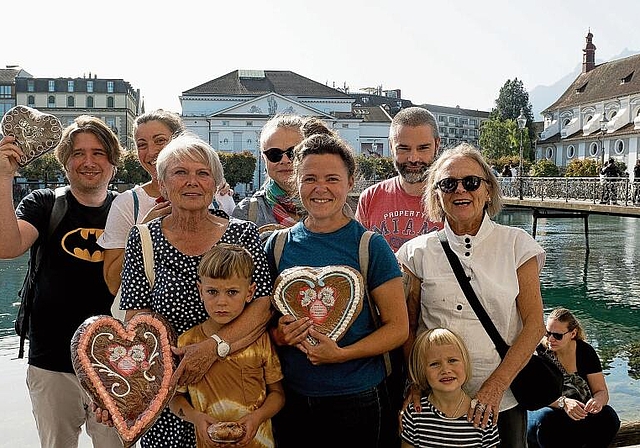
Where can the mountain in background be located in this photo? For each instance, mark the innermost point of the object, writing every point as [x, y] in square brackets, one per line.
[542, 97]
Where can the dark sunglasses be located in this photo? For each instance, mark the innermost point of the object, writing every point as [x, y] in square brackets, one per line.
[274, 155]
[557, 336]
[469, 183]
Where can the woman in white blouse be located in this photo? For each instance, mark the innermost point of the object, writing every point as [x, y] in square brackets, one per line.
[503, 264]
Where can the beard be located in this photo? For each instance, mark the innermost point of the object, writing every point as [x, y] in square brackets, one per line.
[412, 177]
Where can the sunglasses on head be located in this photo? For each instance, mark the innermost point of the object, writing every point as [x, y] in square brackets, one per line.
[274, 155]
[557, 336]
[469, 183]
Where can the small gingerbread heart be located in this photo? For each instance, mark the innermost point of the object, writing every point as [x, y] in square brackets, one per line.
[126, 370]
[35, 132]
[330, 296]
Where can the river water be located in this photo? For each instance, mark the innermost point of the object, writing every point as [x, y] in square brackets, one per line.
[602, 288]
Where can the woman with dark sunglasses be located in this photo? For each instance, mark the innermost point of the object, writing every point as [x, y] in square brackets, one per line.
[274, 202]
[503, 264]
[580, 417]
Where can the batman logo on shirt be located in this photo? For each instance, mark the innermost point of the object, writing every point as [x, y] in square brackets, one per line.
[82, 243]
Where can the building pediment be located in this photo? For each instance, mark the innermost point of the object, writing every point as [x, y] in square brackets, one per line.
[268, 105]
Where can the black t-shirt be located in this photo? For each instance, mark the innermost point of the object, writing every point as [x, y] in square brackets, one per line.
[69, 286]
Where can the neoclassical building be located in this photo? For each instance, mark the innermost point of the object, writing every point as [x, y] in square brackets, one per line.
[598, 116]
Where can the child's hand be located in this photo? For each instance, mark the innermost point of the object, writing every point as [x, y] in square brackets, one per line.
[102, 415]
[251, 424]
[202, 422]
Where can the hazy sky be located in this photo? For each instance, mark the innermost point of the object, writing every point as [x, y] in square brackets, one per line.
[447, 52]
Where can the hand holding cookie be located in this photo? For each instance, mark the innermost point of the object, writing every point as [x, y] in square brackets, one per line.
[35, 132]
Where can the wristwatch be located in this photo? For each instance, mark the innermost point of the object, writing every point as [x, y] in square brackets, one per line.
[223, 346]
[561, 402]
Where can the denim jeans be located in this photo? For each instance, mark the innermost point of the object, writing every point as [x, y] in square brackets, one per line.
[549, 428]
[354, 420]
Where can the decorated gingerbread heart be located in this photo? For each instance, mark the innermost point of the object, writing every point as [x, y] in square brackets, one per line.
[330, 296]
[35, 132]
[126, 369]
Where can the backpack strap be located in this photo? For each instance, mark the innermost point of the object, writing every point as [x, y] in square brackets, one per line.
[363, 256]
[58, 210]
[253, 209]
[136, 205]
[281, 238]
[147, 252]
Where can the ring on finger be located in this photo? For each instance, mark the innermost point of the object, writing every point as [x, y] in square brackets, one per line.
[481, 407]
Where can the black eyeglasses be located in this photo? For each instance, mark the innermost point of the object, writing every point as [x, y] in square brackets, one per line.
[469, 183]
[557, 336]
[274, 155]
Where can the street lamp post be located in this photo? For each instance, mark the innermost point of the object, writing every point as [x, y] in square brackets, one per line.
[603, 130]
[522, 122]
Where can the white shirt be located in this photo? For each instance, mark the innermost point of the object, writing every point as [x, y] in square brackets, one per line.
[491, 258]
[121, 219]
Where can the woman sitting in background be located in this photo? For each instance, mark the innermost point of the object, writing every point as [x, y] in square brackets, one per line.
[581, 417]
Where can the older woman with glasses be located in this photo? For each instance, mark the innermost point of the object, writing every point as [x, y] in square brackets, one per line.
[580, 417]
[503, 265]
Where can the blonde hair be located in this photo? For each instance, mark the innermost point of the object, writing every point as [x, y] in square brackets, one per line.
[425, 341]
[225, 261]
[566, 317]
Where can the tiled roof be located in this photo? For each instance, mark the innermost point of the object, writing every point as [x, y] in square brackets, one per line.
[8, 75]
[609, 80]
[260, 82]
[375, 114]
[455, 111]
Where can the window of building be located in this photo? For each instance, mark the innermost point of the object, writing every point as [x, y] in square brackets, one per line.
[110, 102]
[111, 122]
[593, 149]
[619, 147]
[549, 152]
[345, 125]
[52, 85]
[90, 102]
[70, 86]
[249, 123]
[31, 86]
[31, 101]
[109, 86]
[90, 86]
[5, 91]
[473, 122]
[225, 122]
[442, 118]
[571, 151]
[51, 101]
[71, 102]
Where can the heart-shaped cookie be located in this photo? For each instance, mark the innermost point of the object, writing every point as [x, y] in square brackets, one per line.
[35, 132]
[330, 296]
[126, 370]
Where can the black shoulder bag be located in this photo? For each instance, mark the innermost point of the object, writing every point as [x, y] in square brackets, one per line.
[21, 325]
[539, 383]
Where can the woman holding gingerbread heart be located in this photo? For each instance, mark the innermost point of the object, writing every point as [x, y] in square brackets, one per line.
[335, 388]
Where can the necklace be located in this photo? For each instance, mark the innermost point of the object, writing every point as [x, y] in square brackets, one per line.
[455, 411]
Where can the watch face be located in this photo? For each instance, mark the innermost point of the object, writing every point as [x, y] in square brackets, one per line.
[223, 349]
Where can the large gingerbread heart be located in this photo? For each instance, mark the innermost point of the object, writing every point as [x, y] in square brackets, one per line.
[126, 370]
[330, 296]
[35, 132]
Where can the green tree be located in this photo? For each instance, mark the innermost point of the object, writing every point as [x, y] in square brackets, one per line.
[375, 168]
[45, 168]
[497, 138]
[238, 167]
[130, 171]
[544, 168]
[512, 98]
